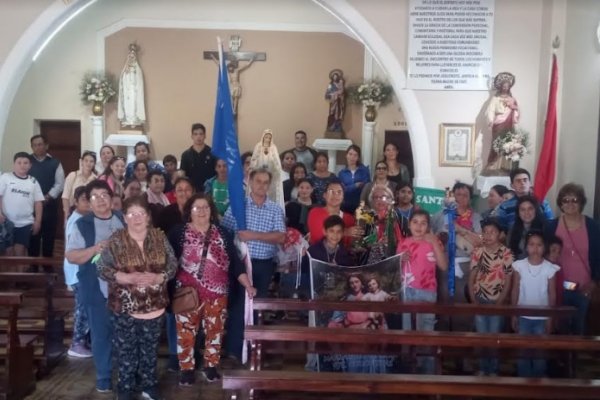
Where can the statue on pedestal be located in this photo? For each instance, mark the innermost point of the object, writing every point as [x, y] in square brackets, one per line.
[502, 116]
[336, 94]
[130, 109]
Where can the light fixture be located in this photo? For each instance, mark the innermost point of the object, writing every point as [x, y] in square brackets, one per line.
[59, 27]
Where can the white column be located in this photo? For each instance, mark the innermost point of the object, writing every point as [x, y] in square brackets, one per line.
[332, 154]
[368, 135]
[97, 132]
[332, 146]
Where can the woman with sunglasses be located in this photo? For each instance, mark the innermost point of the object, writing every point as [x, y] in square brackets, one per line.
[580, 257]
[379, 179]
[84, 175]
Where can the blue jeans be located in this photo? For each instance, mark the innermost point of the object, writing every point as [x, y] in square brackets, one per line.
[577, 323]
[101, 330]
[81, 327]
[262, 273]
[531, 367]
[171, 333]
[424, 322]
[488, 324]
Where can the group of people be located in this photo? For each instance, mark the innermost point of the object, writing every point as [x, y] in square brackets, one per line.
[137, 233]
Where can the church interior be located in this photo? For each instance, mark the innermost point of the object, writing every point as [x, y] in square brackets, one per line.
[48, 46]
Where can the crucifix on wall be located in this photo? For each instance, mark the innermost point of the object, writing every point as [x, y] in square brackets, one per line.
[235, 58]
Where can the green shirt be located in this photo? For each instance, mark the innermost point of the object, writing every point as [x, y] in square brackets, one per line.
[220, 195]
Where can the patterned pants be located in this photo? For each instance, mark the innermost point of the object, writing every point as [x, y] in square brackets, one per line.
[211, 314]
[81, 328]
[136, 343]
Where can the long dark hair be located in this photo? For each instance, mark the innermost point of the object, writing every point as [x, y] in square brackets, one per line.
[518, 229]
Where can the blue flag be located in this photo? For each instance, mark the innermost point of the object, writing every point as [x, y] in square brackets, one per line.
[225, 145]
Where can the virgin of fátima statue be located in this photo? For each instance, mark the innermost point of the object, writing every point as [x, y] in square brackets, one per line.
[265, 155]
[502, 114]
[130, 109]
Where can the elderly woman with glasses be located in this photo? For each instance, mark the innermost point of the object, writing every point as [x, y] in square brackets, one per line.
[84, 175]
[208, 262]
[580, 257]
[137, 263]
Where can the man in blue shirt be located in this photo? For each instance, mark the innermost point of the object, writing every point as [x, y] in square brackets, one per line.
[265, 225]
[520, 181]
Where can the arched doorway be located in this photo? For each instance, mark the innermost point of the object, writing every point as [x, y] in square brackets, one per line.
[20, 58]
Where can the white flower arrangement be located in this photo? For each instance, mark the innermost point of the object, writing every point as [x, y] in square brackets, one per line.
[371, 93]
[95, 87]
[512, 145]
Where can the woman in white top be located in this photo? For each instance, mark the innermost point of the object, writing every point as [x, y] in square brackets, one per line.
[533, 285]
[84, 175]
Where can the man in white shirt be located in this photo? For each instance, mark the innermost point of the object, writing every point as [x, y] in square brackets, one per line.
[21, 201]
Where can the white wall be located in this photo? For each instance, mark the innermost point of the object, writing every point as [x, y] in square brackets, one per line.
[517, 38]
[578, 139]
[523, 31]
[50, 87]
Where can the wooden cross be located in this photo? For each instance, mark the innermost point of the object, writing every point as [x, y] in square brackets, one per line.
[233, 59]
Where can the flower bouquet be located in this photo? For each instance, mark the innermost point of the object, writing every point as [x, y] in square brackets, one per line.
[96, 88]
[371, 93]
[512, 145]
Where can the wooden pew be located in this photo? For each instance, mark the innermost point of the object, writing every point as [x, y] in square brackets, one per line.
[434, 385]
[37, 315]
[16, 351]
[358, 341]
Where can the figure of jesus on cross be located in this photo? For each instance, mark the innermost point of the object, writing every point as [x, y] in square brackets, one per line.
[234, 57]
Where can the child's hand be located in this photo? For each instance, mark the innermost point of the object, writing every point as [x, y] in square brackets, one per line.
[405, 256]
[431, 238]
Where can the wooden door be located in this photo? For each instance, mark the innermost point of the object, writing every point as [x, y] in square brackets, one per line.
[402, 140]
[64, 144]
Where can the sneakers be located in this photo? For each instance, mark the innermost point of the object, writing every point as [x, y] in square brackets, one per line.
[187, 378]
[211, 374]
[151, 394]
[104, 386]
[78, 350]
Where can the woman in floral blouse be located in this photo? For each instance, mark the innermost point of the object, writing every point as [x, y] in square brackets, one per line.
[208, 262]
[137, 263]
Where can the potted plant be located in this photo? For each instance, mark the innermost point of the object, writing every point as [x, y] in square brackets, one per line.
[96, 89]
[372, 94]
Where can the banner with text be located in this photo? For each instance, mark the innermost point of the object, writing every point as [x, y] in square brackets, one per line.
[450, 44]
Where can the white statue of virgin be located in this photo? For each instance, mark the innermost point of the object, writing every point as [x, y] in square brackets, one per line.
[265, 155]
[131, 110]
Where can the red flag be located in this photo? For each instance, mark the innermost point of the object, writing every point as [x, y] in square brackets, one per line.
[546, 167]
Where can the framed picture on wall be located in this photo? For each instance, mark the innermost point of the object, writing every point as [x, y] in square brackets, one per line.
[457, 144]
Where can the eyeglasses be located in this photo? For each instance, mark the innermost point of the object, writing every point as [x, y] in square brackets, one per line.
[335, 192]
[136, 214]
[570, 200]
[103, 196]
[200, 208]
[384, 198]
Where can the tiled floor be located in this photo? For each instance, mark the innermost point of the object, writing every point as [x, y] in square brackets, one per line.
[74, 379]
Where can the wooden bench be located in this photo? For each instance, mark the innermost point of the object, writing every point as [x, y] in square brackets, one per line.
[390, 342]
[434, 385]
[16, 353]
[37, 315]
